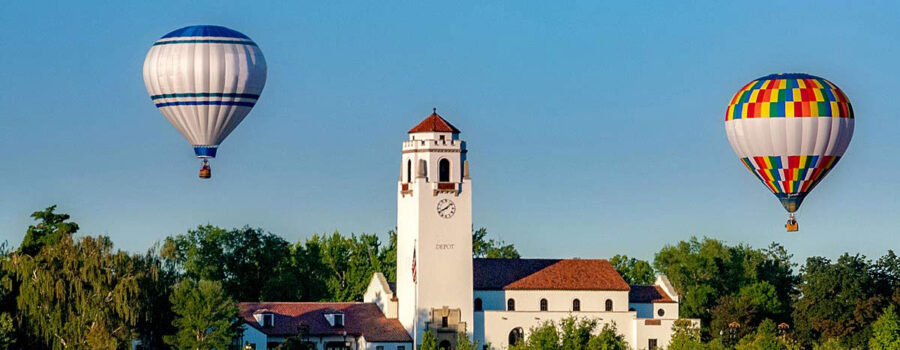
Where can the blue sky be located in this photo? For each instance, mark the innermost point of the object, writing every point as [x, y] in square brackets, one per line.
[594, 128]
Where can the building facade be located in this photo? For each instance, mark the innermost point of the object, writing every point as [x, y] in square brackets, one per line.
[442, 289]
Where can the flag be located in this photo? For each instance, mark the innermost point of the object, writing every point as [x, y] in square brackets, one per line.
[414, 265]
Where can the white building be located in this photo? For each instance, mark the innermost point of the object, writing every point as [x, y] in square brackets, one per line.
[440, 287]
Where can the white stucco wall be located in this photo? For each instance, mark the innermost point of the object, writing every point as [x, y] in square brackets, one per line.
[496, 325]
[443, 245]
[557, 300]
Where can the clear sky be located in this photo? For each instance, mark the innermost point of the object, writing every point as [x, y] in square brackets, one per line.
[594, 128]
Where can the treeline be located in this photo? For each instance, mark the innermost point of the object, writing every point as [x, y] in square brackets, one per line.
[59, 291]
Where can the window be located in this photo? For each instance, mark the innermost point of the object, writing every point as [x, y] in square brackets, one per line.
[379, 347]
[444, 322]
[268, 320]
[543, 304]
[609, 305]
[401, 347]
[511, 305]
[409, 170]
[444, 170]
[576, 305]
[338, 320]
[478, 306]
[651, 344]
[516, 335]
[661, 312]
[445, 345]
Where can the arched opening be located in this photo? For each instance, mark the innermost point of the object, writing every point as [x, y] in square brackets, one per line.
[511, 305]
[543, 304]
[516, 336]
[609, 305]
[444, 170]
[409, 170]
[576, 305]
[445, 345]
[478, 306]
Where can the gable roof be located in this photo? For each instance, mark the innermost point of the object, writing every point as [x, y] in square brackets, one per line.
[434, 123]
[648, 294]
[364, 319]
[546, 274]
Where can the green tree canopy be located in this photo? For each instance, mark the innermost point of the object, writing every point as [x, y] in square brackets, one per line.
[206, 317]
[51, 228]
[77, 295]
[886, 331]
[490, 248]
[429, 341]
[634, 271]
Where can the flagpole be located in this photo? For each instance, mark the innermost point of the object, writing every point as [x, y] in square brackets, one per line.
[416, 297]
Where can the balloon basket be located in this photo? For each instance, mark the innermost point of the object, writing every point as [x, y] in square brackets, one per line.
[791, 224]
[205, 171]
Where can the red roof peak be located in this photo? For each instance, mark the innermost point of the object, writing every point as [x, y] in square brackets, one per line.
[434, 123]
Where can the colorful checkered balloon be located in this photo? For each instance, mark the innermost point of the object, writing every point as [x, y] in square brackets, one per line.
[789, 130]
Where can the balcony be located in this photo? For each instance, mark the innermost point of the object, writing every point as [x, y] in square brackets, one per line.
[446, 187]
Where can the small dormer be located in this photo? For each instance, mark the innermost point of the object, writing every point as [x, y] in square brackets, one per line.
[335, 318]
[265, 318]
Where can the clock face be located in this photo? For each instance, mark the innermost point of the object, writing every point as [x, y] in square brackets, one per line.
[446, 208]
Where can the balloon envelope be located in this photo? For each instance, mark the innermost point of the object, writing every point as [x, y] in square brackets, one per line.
[204, 80]
[789, 130]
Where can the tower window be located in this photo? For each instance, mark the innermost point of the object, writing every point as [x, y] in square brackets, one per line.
[444, 170]
[409, 170]
[444, 322]
[478, 306]
[609, 305]
[543, 304]
[576, 305]
[511, 305]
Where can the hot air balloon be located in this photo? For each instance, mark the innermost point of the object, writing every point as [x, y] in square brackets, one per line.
[205, 79]
[790, 130]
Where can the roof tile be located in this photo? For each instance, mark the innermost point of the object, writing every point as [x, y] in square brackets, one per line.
[364, 319]
[648, 294]
[434, 123]
[546, 274]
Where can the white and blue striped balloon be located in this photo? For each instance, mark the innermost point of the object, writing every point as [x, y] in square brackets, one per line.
[205, 79]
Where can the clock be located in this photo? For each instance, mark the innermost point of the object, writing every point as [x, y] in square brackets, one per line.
[446, 208]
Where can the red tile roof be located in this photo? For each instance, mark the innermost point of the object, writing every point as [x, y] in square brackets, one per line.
[546, 274]
[364, 319]
[434, 123]
[648, 294]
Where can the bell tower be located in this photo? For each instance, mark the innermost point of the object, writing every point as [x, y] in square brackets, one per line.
[434, 232]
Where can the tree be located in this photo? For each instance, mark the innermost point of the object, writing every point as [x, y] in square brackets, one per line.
[608, 339]
[76, 295]
[765, 338]
[206, 317]
[7, 303]
[429, 341]
[156, 278]
[634, 271]
[839, 301]
[886, 331]
[703, 272]
[489, 248]
[576, 333]
[251, 264]
[543, 337]
[464, 343]
[830, 344]
[50, 229]
[349, 263]
[685, 336]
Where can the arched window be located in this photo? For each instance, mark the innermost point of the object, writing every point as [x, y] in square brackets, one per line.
[516, 336]
[609, 305]
[409, 170]
[445, 345]
[543, 304]
[478, 306]
[444, 170]
[511, 305]
[576, 305]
